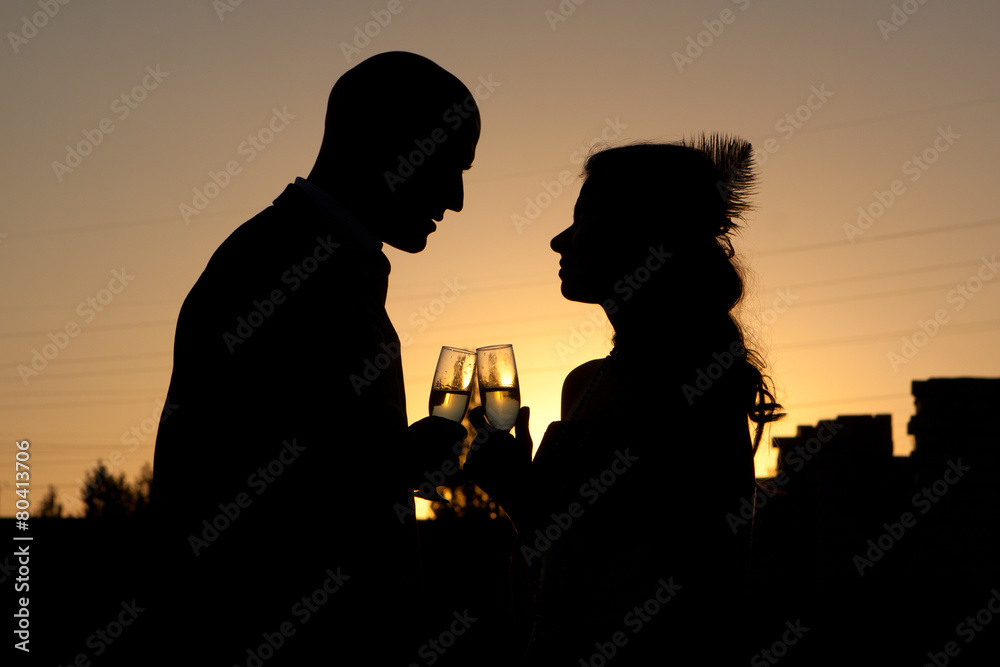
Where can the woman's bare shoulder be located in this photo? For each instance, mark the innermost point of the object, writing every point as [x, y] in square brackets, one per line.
[576, 384]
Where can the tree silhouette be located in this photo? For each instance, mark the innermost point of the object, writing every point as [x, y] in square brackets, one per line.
[106, 496]
[51, 508]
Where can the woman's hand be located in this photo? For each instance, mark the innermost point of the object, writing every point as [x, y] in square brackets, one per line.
[498, 462]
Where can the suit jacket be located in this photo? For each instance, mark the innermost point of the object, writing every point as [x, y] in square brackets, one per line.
[278, 474]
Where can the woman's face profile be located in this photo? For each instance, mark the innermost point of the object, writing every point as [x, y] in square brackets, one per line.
[590, 249]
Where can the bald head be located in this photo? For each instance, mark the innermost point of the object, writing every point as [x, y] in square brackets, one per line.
[399, 131]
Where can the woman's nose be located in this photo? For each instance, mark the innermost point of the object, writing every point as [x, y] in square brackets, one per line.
[560, 240]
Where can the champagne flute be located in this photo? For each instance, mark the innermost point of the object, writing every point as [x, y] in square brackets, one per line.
[452, 384]
[498, 388]
[451, 390]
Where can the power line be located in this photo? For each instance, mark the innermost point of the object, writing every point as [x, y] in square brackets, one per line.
[881, 237]
[102, 359]
[952, 329]
[132, 223]
[92, 327]
[245, 211]
[90, 392]
[89, 404]
[882, 274]
[526, 283]
[844, 401]
[151, 302]
[901, 114]
[90, 374]
[877, 295]
[971, 327]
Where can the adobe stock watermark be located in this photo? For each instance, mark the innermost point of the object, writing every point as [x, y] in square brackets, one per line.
[263, 309]
[364, 34]
[132, 438]
[901, 13]
[929, 328]
[797, 459]
[635, 620]
[258, 481]
[453, 117]
[625, 287]
[923, 501]
[7, 569]
[145, 430]
[699, 43]
[552, 189]
[59, 340]
[562, 12]
[248, 149]
[779, 649]
[302, 610]
[310, 604]
[631, 283]
[793, 121]
[103, 638]
[373, 367]
[223, 7]
[706, 376]
[433, 479]
[122, 106]
[915, 167]
[37, 21]
[967, 629]
[783, 300]
[591, 491]
[432, 650]
[579, 335]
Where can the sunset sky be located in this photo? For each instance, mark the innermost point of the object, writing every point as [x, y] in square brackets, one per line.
[875, 125]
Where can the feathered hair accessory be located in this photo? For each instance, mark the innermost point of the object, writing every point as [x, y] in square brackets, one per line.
[733, 157]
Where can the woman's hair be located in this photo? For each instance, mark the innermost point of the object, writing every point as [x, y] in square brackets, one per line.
[687, 197]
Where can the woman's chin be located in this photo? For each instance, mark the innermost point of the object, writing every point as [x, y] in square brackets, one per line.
[577, 293]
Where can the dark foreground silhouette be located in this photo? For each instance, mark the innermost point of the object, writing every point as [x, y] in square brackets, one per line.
[285, 471]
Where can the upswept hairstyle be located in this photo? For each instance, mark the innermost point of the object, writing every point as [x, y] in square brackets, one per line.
[688, 196]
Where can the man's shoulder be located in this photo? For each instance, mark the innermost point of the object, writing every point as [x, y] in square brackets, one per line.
[277, 238]
[279, 225]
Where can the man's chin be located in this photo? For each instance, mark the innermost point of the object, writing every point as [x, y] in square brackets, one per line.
[410, 245]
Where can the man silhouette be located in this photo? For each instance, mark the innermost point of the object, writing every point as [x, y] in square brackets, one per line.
[282, 469]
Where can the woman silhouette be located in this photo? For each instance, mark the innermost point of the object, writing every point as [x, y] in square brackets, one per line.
[631, 505]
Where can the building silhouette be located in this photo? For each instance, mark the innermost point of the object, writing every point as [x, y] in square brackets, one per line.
[887, 555]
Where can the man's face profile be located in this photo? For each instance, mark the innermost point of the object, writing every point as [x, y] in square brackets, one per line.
[400, 130]
[419, 201]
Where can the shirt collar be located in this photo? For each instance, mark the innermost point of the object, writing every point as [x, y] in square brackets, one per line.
[355, 229]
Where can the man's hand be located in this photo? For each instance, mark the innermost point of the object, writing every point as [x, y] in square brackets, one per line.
[433, 446]
[499, 462]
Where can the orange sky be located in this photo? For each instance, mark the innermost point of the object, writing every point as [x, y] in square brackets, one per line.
[850, 105]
